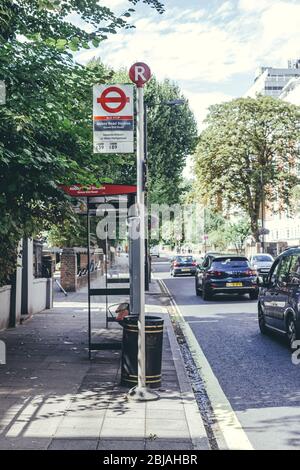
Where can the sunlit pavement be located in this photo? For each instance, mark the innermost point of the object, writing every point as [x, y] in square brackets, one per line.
[255, 371]
[53, 397]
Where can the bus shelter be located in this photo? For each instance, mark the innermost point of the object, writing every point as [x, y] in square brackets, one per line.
[110, 218]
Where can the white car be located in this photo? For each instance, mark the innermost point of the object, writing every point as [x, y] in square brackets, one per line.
[262, 262]
[154, 251]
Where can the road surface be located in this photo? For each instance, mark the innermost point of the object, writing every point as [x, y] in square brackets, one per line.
[254, 371]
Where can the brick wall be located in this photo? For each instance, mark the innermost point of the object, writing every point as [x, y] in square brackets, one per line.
[68, 275]
[83, 260]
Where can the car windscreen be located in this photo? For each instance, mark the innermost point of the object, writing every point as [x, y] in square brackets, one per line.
[225, 263]
[184, 259]
[262, 258]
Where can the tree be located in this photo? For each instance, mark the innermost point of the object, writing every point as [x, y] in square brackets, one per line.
[249, 149]
[237, 233]
[45, 125]
[69, 233]
[172, 134]
[49, 21]
[214, 226]
[171, 137]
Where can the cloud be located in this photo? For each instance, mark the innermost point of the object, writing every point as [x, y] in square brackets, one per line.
[112, 4]
[281, 31]
[225, 9]
[200, 102]
[179, 49]
[249, 6]
[194, 45]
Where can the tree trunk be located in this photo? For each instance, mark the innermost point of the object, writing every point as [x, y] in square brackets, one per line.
[254, 227]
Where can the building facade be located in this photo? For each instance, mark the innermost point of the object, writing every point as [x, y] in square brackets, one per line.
[284, 228]
[270, 81]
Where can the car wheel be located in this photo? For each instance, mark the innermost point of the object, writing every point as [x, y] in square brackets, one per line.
[207, 295]
[261, 321]
[291, 331]
[253, 295]
[198, 291]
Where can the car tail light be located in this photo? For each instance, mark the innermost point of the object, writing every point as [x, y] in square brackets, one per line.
[194, 263]
[175, 263]
[214, 273]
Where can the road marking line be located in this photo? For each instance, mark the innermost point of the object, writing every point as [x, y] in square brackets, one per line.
[230, 427]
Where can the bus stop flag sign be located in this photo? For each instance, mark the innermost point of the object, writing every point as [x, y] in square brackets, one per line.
[113, 118]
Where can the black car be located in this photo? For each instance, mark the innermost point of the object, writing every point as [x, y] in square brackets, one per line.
[225, 273]
[183, 265]
[279, 296]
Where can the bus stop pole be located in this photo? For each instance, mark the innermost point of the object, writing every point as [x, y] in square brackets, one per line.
[89, 276]
[141, 392]
[141, 212]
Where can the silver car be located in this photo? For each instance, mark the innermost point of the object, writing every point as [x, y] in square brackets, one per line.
[261, 262]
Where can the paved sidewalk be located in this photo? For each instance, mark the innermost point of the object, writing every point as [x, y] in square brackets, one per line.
[53, 397]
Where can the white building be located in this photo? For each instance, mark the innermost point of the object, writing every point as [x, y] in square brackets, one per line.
[285, 229]
[271, 81]
[291, 91]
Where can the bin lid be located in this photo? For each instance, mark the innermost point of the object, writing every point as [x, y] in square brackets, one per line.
[149, 320]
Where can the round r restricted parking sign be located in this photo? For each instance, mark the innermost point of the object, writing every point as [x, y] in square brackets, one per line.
[139, 73]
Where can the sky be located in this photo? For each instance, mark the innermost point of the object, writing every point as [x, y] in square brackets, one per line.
[211, 49]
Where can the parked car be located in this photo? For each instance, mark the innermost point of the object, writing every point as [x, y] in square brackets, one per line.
[262, 262]
[154, 251]
[279, 296]
[225, 273]
[182, 264]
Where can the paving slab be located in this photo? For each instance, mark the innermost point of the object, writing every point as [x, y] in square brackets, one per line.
[53, 397]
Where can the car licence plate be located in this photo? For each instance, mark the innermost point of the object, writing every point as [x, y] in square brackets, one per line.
[185, 269]
[234, 284]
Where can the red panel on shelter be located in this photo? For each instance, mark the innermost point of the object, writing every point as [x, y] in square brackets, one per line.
[107, 189]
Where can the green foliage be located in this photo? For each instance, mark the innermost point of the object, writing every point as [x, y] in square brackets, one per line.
[172, 133]
[223, 233]
[50, 21]
[69, 233]
[214, 228]
[237, 233]
[45, 125]
[249, 147]
[171, 137]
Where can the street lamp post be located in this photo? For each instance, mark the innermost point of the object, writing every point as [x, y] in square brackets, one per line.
[171, 103]
[262, 211]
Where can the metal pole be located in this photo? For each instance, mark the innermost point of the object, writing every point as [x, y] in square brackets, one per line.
[89, 277]
[145, 170]
[106, 270]
[262, 211]
[141, 213]
[141, 393]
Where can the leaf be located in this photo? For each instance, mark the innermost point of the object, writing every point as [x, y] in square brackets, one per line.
[61, 43]
[96, 42]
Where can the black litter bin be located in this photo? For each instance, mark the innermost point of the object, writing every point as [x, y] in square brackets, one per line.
[153, 339]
